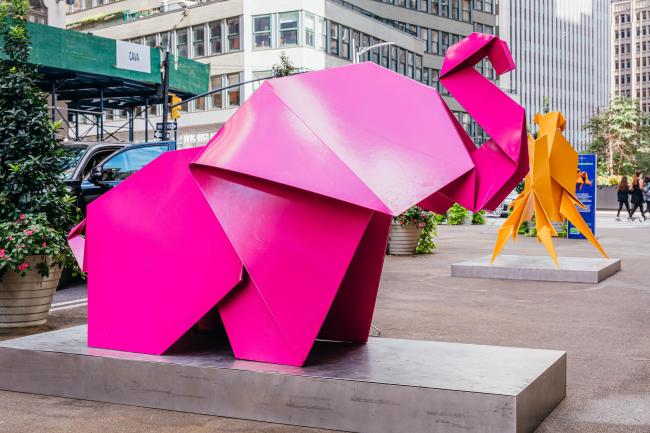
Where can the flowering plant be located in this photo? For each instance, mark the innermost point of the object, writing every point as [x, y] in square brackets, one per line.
[30, 235]
[425, 221]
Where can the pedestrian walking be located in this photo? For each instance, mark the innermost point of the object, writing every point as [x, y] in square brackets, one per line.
[623, 193]
[646, 193]
[637, 195]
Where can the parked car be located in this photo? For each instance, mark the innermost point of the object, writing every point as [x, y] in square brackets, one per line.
[117, 167]
[503, 210]
[82, 157]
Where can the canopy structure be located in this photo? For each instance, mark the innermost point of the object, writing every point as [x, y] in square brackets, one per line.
[81, 69]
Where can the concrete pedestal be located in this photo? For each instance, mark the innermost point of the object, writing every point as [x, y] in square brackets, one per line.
[538, 268]
[385, 386]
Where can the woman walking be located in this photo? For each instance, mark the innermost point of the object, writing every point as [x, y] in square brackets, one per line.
[646, 193]
[623, 193]
[637, 195]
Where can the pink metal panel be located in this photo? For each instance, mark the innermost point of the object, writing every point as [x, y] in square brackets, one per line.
[158, 259]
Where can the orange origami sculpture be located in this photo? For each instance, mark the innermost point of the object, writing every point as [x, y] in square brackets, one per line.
[550, 188]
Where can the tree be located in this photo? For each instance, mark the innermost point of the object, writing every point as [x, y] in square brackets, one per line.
[621, 137]
[285, 67]
[31, 174]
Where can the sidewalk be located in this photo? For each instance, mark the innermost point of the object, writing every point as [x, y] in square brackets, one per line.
[605, 329]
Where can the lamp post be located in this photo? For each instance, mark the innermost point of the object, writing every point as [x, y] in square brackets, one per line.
[362, 50]
[165, 67]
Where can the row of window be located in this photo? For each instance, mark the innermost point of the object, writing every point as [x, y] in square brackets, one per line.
[208, 39]
[625, 33]
[455, 9]
[283, 30]
[623, 18]
[627, 49]
[625, 79]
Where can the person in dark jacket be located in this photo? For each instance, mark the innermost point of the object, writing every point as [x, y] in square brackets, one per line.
[637, 195]
[646, 193]
[623, 193]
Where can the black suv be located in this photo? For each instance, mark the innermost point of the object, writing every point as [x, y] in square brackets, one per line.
[97, 168]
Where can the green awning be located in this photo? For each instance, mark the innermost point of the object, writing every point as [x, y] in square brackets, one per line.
[80, 61]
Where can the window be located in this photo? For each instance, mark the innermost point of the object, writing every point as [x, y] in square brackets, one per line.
[418, 68]
[150, 41]
[455, 9]
[181, 43]
[232, 26]
[288, 27]
[310, 30]
[402, 61]
[424, 5]
[164, 40]
[322, 40]
[467, 10]
[444, 8]
[393, 58]
[385, 56]
[444, 43]
[199, 104]
[262, 31]
[126, 163]
[435, 48]
[488, 6]
[234, 93]
[217, 98]
[216, 46]
[198, 41]
[345, 42]
[435, 8]
[334, 38]
[411, 62]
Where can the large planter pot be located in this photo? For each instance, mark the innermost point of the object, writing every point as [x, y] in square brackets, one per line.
[26, 301]
[403, 239]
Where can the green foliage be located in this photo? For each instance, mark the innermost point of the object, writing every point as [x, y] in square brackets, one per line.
[31, 173]
[621, 138]
[564, 230]
[30, 235]
[523, 228]
[440, 218]
[426, 222]
[30, 169]
[532, 232]
[478, 218]
[456, 214]
[285, 67]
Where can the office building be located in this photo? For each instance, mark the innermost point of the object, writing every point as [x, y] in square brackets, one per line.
[562, 52]
[242, 40]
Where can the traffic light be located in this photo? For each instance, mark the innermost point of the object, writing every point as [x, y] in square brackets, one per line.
[175, 111]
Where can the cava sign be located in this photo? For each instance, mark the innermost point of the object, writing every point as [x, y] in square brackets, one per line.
[134, 57]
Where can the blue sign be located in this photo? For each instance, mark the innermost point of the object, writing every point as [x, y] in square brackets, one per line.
[586, 194]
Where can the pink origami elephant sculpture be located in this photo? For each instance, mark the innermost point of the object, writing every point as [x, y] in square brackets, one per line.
[281, 220]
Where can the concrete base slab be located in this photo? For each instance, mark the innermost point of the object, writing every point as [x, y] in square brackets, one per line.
[385, 386]
[538, 268]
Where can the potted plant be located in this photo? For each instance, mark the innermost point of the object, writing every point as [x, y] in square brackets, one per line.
[32, 254]
[412, 232]
[457, 215]
[36, 210]
[478, 218]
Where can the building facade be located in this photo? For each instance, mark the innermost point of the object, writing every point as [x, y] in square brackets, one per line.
[630, 65]
[562, 52]
[242, 40]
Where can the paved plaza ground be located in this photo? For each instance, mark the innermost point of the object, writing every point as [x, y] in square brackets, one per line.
[605, 328]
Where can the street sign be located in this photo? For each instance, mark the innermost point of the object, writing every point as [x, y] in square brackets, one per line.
[171, 126]
[586, 193]
[158, 135]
